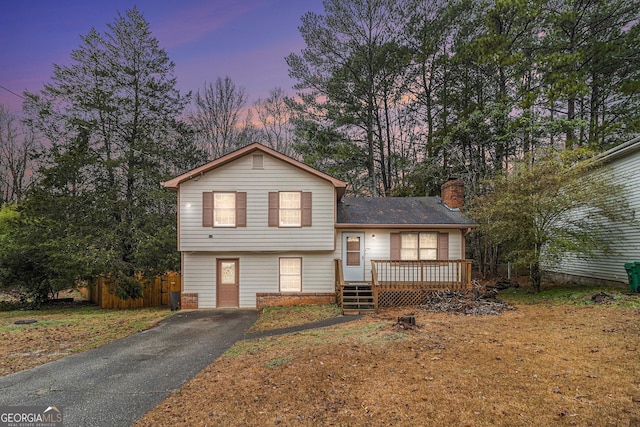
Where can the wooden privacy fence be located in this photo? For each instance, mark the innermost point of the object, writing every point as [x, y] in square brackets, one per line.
[156, 292]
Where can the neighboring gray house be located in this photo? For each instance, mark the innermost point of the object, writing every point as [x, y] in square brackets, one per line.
[624, 163]
[256, 227]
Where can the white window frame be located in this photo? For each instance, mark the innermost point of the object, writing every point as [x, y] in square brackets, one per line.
[290, 274]
[420, 249]
[289, 216]
[230, 213]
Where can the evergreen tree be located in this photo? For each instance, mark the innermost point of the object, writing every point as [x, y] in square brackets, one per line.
[112, 119]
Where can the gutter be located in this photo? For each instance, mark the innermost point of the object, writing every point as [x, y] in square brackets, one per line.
[407, 226]
[619, 151]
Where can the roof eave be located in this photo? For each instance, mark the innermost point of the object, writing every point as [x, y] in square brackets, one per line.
[619, 151]
[406, 226]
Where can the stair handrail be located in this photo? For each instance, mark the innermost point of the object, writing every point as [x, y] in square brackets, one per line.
[374, 273]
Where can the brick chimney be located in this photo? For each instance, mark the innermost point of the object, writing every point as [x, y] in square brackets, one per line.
[453, 193]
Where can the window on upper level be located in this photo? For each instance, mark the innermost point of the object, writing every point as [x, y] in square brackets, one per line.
[224, 209]
[290, 209]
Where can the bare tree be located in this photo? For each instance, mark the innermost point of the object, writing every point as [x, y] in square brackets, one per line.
[217, 115]
[18, 146]
[274, 116]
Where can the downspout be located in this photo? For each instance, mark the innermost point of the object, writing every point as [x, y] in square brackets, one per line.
[465, 233]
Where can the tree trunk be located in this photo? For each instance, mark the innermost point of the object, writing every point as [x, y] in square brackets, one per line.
[535, 276]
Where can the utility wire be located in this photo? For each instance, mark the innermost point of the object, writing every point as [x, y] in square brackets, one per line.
[12, 92]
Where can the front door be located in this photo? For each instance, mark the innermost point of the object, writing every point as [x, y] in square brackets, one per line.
[227, 281]
[353, 257]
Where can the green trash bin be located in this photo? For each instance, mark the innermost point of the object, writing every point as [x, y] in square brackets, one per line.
[633, 271]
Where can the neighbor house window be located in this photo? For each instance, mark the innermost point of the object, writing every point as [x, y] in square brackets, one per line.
[419, 246]
[224, 209]
[290, 274]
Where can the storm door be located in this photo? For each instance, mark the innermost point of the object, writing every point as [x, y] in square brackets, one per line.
[353, 257]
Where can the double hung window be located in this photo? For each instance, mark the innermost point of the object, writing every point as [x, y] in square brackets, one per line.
[419, 246]
[290, 274]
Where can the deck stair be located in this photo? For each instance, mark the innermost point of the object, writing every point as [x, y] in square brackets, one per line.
[357, 298]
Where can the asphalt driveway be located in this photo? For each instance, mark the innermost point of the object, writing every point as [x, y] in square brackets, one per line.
[116, 384]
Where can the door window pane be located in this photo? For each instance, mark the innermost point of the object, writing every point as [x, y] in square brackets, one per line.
[353, 251]
[227, 273]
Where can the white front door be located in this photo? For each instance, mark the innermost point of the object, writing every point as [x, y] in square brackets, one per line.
[353, 257]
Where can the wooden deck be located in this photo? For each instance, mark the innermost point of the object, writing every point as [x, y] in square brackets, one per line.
[400, 283]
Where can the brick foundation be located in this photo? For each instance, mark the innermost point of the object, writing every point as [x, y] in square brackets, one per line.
[272, 299]
[188, 301]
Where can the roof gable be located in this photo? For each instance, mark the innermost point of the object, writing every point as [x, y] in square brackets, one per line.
[255, 147]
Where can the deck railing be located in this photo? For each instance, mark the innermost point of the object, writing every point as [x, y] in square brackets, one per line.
[452, 274]
[406, 283]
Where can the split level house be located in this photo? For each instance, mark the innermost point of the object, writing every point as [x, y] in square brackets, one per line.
[256, 228]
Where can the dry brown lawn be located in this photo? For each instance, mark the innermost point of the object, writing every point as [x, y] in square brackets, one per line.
[552, 361]
[59, 332]
[538, 365]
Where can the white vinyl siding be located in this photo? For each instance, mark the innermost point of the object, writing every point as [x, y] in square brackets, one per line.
[624, 238]
[276, 176]
[258, 273]
[377, 244]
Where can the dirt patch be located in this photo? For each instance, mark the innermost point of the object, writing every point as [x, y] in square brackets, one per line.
[602, 298]
[537, 365]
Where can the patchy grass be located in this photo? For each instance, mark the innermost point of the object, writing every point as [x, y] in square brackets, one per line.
[277, 362]
[557, 360]
[570, 294]
[59, 332]
[284, 317]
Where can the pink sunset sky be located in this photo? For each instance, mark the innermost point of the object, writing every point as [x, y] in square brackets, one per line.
[246, 40]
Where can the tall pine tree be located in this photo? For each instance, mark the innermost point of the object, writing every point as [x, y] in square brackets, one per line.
[112, 117]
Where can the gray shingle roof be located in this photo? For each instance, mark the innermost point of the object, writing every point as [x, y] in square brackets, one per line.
[399, 211]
